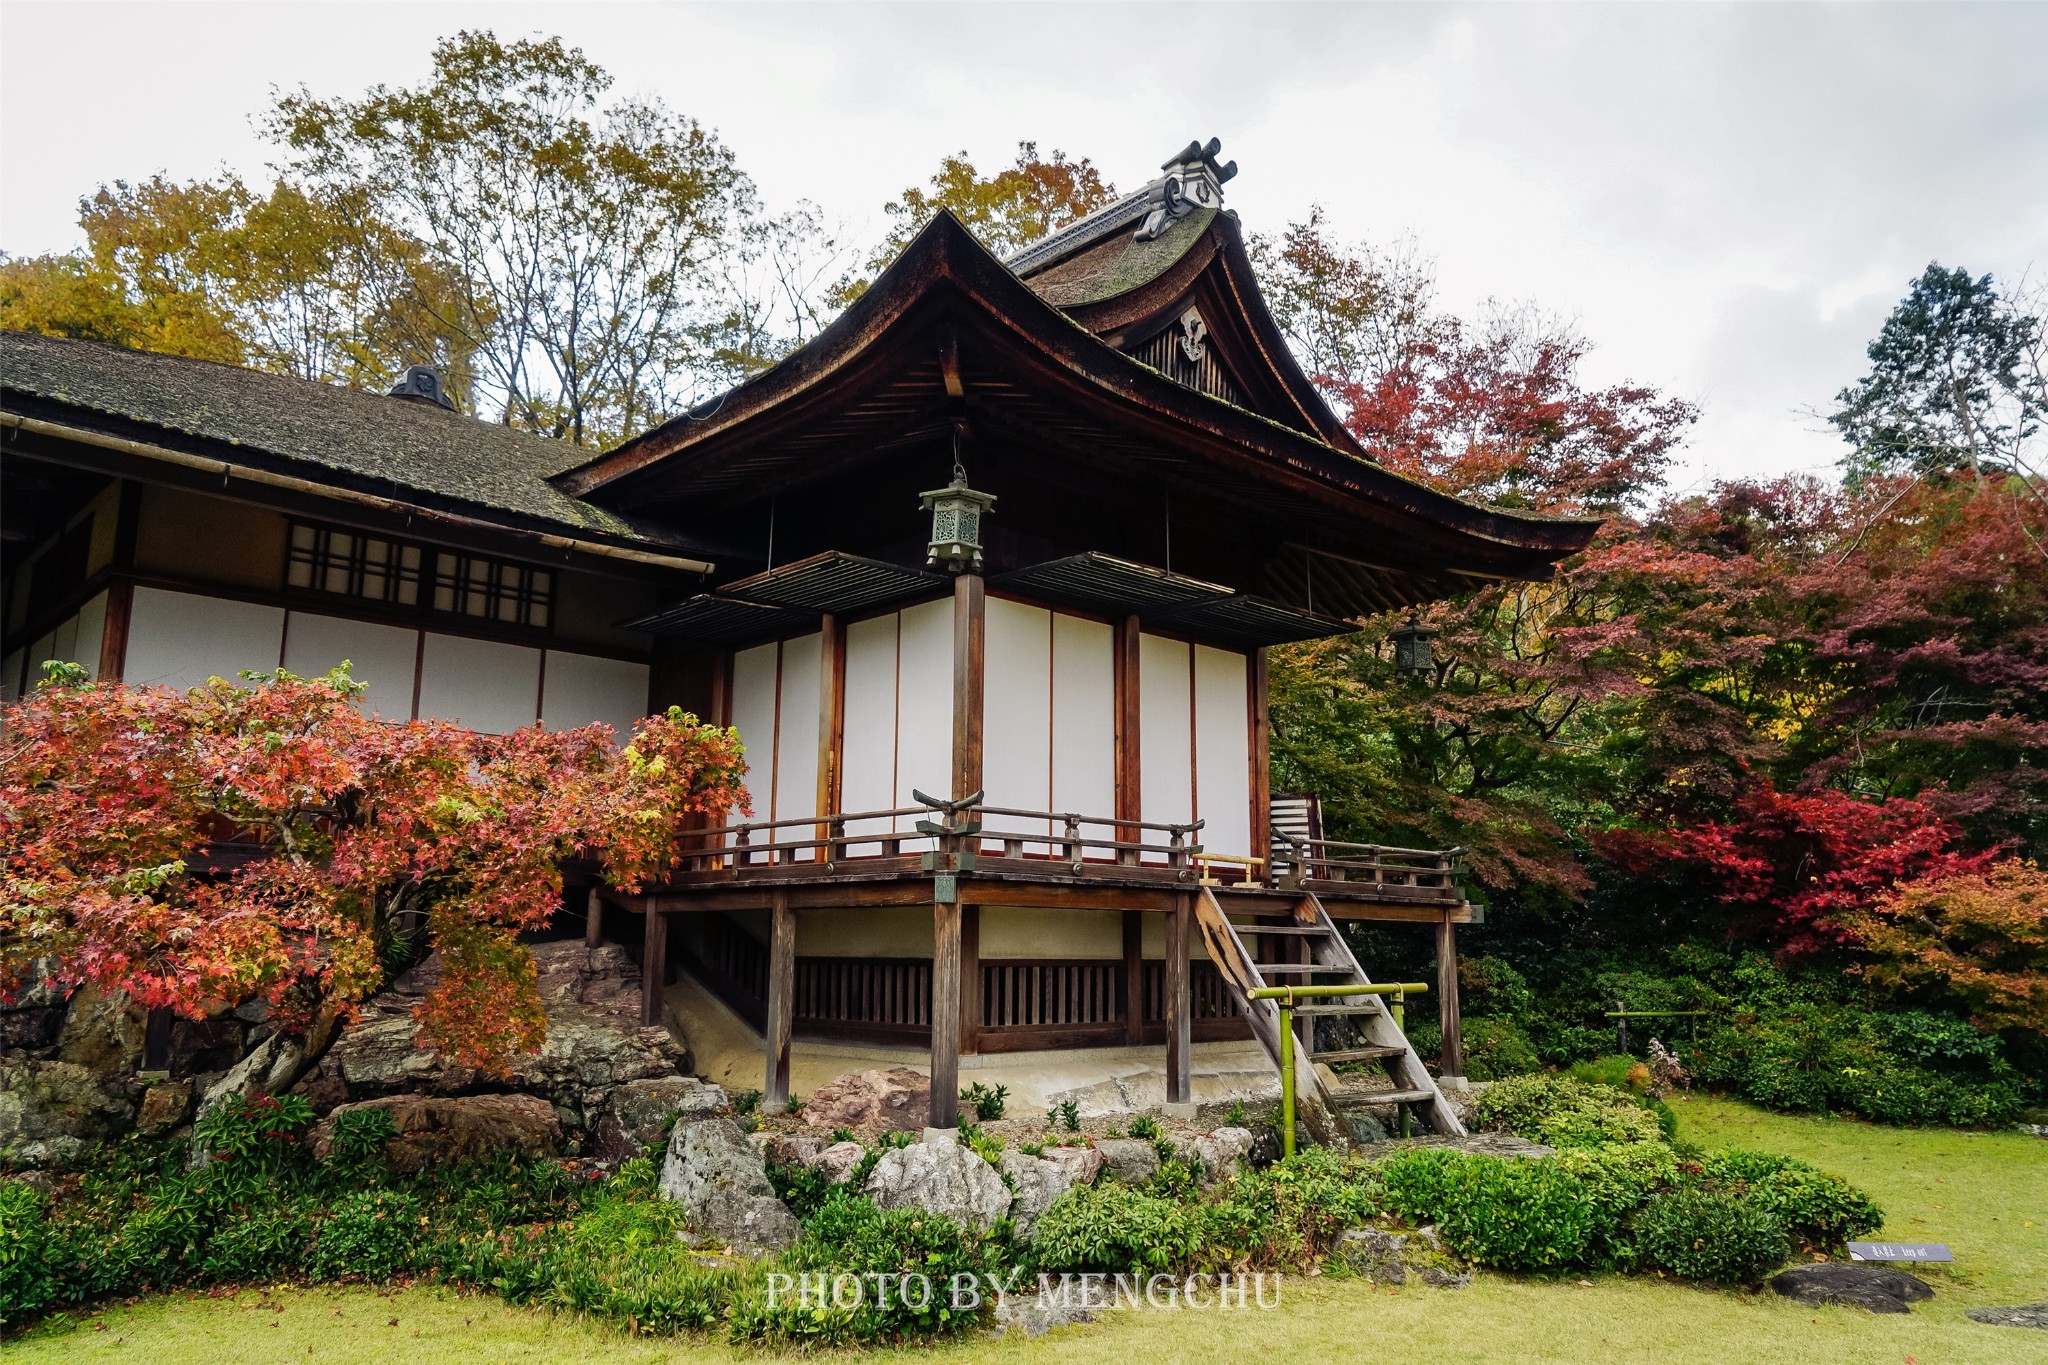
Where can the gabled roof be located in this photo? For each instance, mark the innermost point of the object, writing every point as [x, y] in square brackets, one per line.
[948, 327]
[337, 436]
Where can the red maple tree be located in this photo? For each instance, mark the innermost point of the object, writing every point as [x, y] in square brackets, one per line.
[267, 841]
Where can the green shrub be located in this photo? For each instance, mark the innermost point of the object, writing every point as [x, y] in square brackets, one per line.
[1287, 1213]
[1508, 1212]
[1821, 1210]
[256, 1131]
[257, 1243]
[624, 1260]
[29, 1282]
[987, 1102]
[372, 1233]
[1146, 1127]
[1113, 1228]
[1496, 1048]
[1562, 1112]
[1709, 1235]
[357, 1140]
[850, 1236]
[1066, 1114]
[803, 1188]
[1616, 1180]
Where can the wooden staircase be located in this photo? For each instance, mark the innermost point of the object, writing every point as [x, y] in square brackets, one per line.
[1320, 1104]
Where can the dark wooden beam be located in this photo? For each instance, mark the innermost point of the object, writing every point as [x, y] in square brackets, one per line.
[1179, 942]
[593, 918]
[945, 1106]
[1388, 913]
[781, 1002]
[114, 640]
[653, 966]
[1134, 978]
[970, 979]
[970, 650]
[831, 716]
[1453, 1059]
[1129, 773]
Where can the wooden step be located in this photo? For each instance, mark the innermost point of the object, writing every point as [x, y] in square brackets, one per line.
[1301, 929]
[1358, 1054]
[1369, 1097]
[1297, 969]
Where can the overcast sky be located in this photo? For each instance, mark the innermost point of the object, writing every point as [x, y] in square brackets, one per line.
[1728, 199]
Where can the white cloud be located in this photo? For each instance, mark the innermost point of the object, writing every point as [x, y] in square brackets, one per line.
[1727, 198]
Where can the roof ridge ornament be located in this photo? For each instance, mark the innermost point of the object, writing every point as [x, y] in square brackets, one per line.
[1193, 180]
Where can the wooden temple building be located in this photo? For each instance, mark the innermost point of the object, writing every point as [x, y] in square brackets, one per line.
[985, 576]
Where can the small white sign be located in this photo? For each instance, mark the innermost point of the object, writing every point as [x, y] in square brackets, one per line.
[1900, 1251]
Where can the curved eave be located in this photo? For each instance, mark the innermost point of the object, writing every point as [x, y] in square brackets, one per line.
[946, 257]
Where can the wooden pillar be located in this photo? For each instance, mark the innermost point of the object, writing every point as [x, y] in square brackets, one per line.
[114, 635]
[781, 1002]
[1134, 976]
[653, 963]
[970, 980]
[1129, 775]
[945, 1108]
[831, 721]
[1453, 1059]
[593, 919]
[1179, 942]
[970, 649]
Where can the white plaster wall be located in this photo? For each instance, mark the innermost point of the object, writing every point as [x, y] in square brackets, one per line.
[178, 639]
[578, 689]
[483, 684]
[1165, 720]
[385, 657]
[867, 771]
[1084, 719]
[753, 715]
[1223, 795]
[924, 704]
[1017, 724]
[796, 741]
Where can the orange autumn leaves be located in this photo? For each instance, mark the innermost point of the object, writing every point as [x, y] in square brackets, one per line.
[267, 841]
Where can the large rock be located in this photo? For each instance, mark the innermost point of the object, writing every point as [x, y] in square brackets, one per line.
[2033, 1315]
[1035, 1183]
[840, 1161]
[639, 1112]
[103, 1031]
[719, 1179]
[595, 1041]
[1222, 1152]
[51, 1113]
[944, 1178]
[164, 1106]
[1397, 1257]
[446, 1131]
[1082, 1163]
[1130, 1161]
[1877, 1288]
[897, 1099]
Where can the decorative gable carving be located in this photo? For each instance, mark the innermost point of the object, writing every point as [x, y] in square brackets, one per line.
[1183, 351]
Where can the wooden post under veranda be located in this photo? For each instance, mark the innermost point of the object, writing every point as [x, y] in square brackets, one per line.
[1452, 1062]
[781, 1002]
[653, 963]
[1179, 1027]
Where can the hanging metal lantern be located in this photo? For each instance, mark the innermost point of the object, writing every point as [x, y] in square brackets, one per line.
[957, 511]
[1411, 648]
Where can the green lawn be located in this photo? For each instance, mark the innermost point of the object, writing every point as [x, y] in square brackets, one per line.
[1984, 1194]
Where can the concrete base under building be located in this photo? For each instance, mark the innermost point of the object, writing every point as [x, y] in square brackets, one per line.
[1101, 1080]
